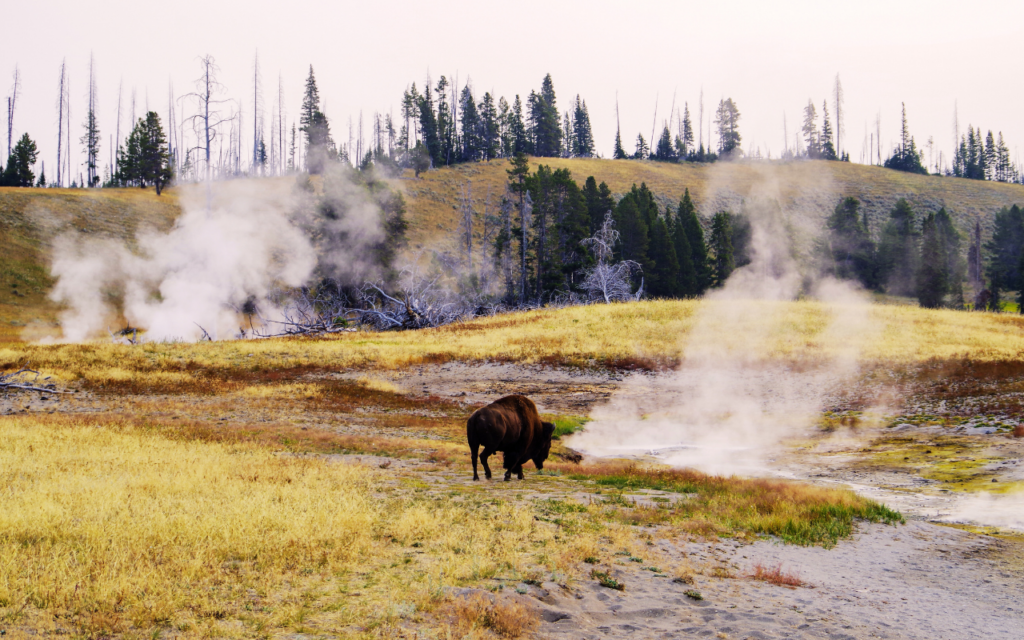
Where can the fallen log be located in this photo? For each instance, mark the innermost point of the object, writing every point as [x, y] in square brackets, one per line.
[19, 381]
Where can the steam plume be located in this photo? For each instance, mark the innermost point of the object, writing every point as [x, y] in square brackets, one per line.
[731, 401]
[254, 240]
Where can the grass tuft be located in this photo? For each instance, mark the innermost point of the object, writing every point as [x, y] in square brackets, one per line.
[606, 580]
[796, 513]
[775, 575]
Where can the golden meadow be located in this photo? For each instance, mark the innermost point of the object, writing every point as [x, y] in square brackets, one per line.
[120, 525]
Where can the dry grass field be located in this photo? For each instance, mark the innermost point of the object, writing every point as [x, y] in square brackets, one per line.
[645, 335]
[209, 489]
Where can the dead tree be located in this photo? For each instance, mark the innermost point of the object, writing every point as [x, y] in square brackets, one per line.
[607, 282]
[26, 379]
[62, 100]
[256, 95]
[12, 103]
[208, 119]
[91, 137]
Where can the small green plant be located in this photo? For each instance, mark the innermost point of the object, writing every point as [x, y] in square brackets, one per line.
[693, 594]
[606, 580]
[568, 425]
[635, 559]
[590, 560]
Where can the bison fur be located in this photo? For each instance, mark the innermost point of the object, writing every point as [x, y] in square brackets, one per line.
[513, 426]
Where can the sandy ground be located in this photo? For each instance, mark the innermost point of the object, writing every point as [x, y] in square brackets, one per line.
[913, 581]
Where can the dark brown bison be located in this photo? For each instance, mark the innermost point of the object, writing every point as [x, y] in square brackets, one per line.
[513, 426]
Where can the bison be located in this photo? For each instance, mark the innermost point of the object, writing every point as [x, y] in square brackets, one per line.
[513, 426]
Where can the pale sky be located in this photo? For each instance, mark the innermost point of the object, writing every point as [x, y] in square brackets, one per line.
[769, 57]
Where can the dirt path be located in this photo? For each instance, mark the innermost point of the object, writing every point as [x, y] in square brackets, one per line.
[913, 581]
[917, 580]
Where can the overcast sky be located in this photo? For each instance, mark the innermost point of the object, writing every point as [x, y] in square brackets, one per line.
[769, 57]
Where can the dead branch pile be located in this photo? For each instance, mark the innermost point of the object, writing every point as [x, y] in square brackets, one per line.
[26, 379]
[308, 311]
[419, 304]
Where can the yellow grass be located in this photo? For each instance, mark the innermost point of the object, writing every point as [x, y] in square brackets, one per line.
[646, 334]
[113, 530]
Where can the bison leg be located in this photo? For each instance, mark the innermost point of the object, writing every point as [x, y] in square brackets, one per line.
[483, 458]
[473, 450]
[511, 461]
[519, 471]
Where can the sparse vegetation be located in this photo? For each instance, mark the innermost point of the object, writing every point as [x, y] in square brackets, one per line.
[605, 580]
[775, 575]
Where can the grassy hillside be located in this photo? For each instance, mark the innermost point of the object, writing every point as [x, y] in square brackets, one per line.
[812, 187]
[30, 219]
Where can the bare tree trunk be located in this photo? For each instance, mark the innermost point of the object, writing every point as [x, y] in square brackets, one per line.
[839, 116]
[280, 126]
[255, 111]
[654, 122]
[701, 134]
[117, 129]
[12, 103]
[60, 119]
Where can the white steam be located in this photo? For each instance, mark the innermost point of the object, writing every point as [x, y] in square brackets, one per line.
[730, 402]
[254, 240]
[1005, 511]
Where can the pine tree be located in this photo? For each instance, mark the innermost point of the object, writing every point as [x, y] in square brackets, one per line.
[898, 251]
[665, 152]
[599, 201]
[619, 153]
[688, 221]
[991, 157]
[144, 160]
[428, 126]
[490, 129]
[447, 153]
[91, 137]
[643, 150]
[633, 231]
[721, 247]
[568, 135]
[828, 150]
[906, 157]
[646, 202]
[517, 177]
[956, 268]
[932, 275]
[472, 133]
[583, 135]
[546, 132]
[850, 244]
[1005, 248]
[687, 136]
[518, 133]
[663, 276]
[810, 130]
[727, 118]
[18, 172]
[686, 281]
[314, 124]
[503, 120]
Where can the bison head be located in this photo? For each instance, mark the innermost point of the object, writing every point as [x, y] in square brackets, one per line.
[543, 446]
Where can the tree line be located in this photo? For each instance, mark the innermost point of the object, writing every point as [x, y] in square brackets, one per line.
[923, 256]
[443, 123]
